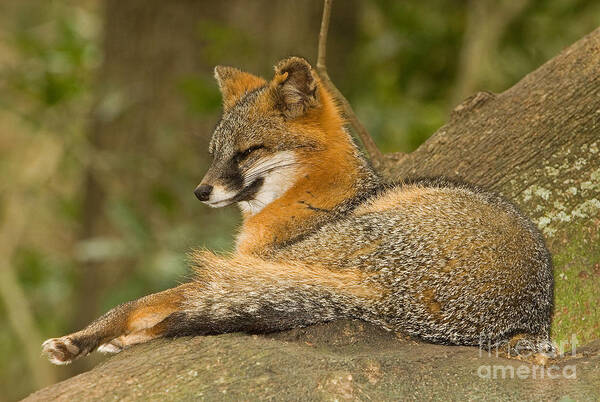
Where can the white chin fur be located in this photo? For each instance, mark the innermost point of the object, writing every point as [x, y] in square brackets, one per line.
[219, 197]
[275, 181]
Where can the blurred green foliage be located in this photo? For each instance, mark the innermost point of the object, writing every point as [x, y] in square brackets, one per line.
[408, 51]
[200, 94]
[405, 60]
[49, 52]
[56, 49]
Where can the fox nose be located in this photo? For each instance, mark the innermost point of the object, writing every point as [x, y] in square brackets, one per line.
[203, 191]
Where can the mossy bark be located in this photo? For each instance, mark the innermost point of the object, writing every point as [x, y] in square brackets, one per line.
[538, 144]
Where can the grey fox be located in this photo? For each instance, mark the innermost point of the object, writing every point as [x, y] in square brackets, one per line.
[324, 238]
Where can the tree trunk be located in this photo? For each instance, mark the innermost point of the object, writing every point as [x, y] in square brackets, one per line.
[537, 143]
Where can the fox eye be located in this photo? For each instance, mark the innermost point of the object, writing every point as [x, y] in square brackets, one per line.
[240, 156]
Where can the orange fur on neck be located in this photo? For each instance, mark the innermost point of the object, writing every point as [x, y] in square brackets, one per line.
[326, 178]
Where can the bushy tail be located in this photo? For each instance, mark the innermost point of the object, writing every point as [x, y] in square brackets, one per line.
[249, 294]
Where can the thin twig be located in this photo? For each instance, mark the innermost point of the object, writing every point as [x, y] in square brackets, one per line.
[323, 36]
[376, 156]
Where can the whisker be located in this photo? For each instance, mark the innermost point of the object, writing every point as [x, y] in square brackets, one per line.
[268, 164]
[268, 169]
[251, 176]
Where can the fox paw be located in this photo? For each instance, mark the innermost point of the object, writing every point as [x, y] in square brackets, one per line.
[114, 346]
[61, 350]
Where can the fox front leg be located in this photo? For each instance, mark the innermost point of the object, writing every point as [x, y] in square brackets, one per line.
[127, 324]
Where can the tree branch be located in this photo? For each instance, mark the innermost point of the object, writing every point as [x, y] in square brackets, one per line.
[336, 361]
[374, 153]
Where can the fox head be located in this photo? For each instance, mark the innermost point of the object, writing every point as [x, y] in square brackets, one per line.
[269, 134]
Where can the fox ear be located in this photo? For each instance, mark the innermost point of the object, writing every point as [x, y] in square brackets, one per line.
[295, 87]
[234, 84]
